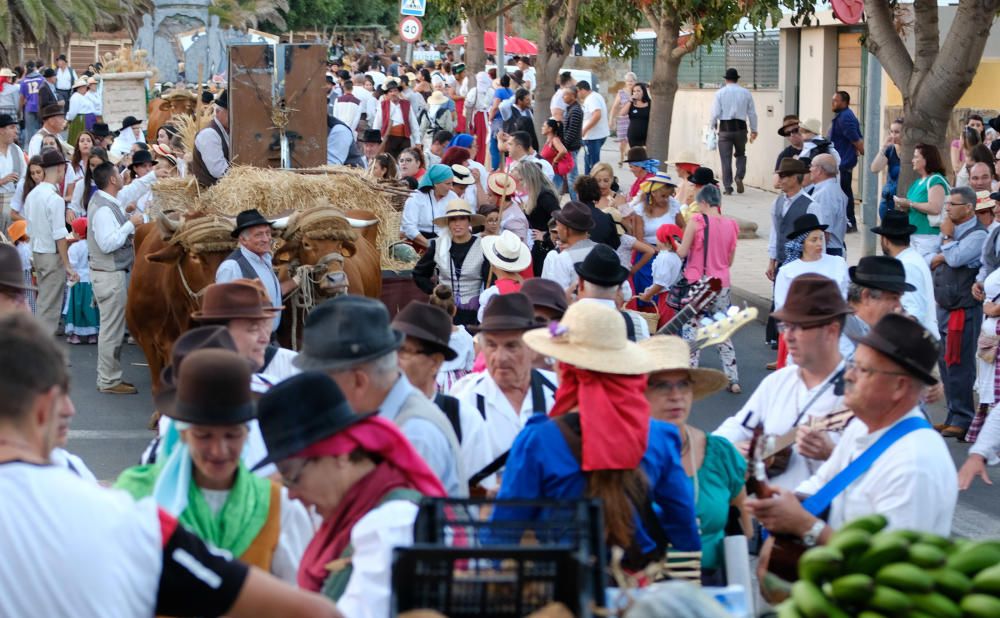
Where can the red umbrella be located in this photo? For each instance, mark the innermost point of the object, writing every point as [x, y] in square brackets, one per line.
[511, 44]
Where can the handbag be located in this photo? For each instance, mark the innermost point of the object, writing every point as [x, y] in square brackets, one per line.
[565, 165]
[678, 294]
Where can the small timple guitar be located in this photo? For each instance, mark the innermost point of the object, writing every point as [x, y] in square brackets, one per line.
[775, 451]
[701, 295]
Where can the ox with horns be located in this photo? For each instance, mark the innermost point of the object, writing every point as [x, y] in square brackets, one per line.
[177, 257]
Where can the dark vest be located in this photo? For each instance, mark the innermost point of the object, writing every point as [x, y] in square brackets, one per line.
[784, 225]
[121, 258]
[953, 286]
[354, 157]
[198, 168]
[991, 259]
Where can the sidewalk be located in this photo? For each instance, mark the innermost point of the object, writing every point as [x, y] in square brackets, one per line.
[749, 285]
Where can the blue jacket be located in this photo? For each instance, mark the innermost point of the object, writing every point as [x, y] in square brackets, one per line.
[541, 466]
[844, 131]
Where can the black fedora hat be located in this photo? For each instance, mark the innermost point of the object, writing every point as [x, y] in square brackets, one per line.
[200, 338]
[213, 388]
[508, 312]
[637, 154]
[732, 74]
[140, 157]
[301, 411]
[371, 136]
[332, 339]
[222, 100]
[806, 223]
[703, 176]
[602, 267]
[52, 158]
[880, 272]
[130, 121]
[575, 216]
[545, 293]
[6, 120]
[429, 324]
[248, 218]
[812, 300]
[101, 129]
[896, 223]
[906, 342]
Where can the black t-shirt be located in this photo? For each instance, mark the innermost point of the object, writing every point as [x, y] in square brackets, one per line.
[789, 152]
[196, 580]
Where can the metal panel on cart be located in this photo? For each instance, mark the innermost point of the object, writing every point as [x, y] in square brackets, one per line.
[304, 71]
[252, 132]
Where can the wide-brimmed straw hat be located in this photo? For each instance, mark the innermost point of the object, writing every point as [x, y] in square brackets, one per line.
[459, 208]
[812, 126]
[501, 184]
[591, 336]
[506, 252]
[656, 181]
[437, 98]
[984, 201]
[671, 353]
[80, 83]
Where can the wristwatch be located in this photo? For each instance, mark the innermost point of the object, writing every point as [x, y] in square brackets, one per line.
[811, 537]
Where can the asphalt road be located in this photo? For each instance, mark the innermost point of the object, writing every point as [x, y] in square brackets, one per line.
[110, 431]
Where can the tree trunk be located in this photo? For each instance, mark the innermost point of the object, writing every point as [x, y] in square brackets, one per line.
[555, 43]
[475, 45]
[924, 122]
[663, 90]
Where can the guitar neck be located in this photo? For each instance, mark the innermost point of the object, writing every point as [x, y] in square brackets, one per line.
[676, 323]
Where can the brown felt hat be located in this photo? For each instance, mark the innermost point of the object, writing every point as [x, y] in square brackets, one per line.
[907, 343]
[790, 166]
[427, 323]
[200, 338]
[788, 123]
[545, 293]
[11, 274]
[508, 312]
[575, 216]
[242, 298]
[812, 300]
[56, 109]
[213, 388]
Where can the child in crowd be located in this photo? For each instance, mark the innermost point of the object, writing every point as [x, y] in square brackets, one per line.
[18, 234]
[666, 267]
[509, 260]
[460, 341]
[80, 313]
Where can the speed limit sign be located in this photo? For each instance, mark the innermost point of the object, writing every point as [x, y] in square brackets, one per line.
[410, 29]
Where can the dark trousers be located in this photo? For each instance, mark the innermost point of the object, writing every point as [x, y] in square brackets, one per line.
[771, 329]
[732, 143]
[959, 380]
[838, 251]
[846, 176]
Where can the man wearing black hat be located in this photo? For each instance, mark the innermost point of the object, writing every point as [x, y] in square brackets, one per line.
[895, 232]
[53, 122]
[812, 320]
[371, 144]
[212, 146]
[732, 109]
[253, 259]
[364, 364]
[510, 391]
[396, 120]
[12, 167]
[877, 283]
[789, 130]
[47, 94]
[791, 203]
[601, 276]
[908, 475]
[425, 349]
[46, 215]
[574, 221]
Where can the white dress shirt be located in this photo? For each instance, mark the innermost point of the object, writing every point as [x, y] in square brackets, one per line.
[80, 104]
[396, 118]
[46, 215]
[638, 322]
[733, 102]
[12, 161]
[109, 235]
[913, 483]
[830, 266]
[919, 303]
[776, 402]
[503, 422]
[209, 145]
[420, 210]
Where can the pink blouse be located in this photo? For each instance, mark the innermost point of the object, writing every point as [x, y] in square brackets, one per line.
[722, 235]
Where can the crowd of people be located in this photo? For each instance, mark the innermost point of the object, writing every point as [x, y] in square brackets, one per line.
[279, 482]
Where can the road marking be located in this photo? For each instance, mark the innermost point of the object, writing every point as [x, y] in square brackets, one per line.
[111, 434]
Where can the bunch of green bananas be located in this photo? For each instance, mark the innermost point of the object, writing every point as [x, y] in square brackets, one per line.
[868, 572]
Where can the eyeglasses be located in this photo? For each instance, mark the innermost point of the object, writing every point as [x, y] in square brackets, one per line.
[788, 327]
[292, 480]
[666, 386]
[868, 371]
[792, 132]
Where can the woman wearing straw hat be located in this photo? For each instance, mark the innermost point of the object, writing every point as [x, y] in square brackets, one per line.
[204, 482]
[456, 258]
[81, 113]
[655, 206]
[502, 187]
[714, 465]
[427, 203]
[600, 441]
[360, 474]
[508, 258]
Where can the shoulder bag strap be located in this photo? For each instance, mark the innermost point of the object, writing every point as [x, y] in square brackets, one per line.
[538, 384]
[704, 250]
[822, 499]
[629, 326]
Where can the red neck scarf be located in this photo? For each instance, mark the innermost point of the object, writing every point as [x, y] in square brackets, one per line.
[614, 416]
[402, 468]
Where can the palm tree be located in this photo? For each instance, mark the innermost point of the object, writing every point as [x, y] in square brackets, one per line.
[251, 13]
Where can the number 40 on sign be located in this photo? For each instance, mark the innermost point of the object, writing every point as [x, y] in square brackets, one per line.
[410, 29]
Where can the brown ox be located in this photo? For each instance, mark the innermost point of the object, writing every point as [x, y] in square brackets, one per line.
[161, 110]
[333, 253]
[164, 289]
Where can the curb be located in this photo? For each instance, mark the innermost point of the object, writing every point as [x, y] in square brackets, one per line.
[743, 297]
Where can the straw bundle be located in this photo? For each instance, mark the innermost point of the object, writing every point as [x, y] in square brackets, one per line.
[128, 60]
[203, 232]
[319, 223]
[276, 193]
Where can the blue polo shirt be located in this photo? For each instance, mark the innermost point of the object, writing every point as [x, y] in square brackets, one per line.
[844, 131]
[541, 466]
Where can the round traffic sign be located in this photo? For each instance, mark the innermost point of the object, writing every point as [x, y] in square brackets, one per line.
[848, 11]
[410, 29]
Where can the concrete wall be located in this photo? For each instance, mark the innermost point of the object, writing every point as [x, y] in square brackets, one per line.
[817, 73]
[692, 110]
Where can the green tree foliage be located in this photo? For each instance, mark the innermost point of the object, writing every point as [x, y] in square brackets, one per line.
[53, 21]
